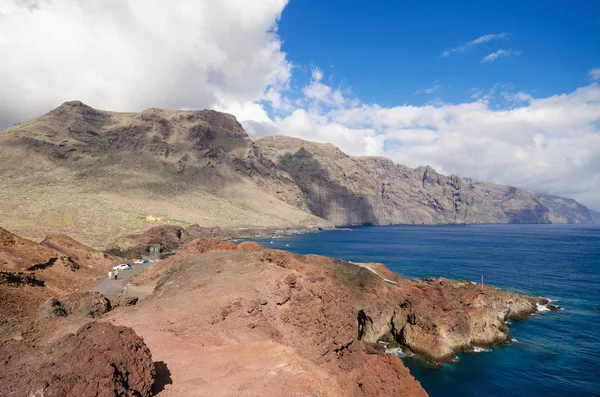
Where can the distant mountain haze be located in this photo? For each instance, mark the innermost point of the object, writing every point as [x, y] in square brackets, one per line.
[96, 174]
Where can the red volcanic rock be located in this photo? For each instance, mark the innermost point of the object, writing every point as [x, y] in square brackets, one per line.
[159, 240]
[250, 246]
[80, 253]
[99, 360]
[32, 273]
[312, 323]
[204, 244]
[382, 375]
[82, 304]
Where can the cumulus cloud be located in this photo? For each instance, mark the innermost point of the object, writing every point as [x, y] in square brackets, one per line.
[548, 145]
[226, 55]
[135, 54]
[474, 43]
[595, 74]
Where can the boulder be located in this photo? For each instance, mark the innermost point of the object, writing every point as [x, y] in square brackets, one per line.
[99, 360]
[81, 304]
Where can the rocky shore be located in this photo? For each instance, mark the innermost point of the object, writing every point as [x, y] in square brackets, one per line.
[226, 319]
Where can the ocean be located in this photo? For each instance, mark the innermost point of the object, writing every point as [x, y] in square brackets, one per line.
[554, 353]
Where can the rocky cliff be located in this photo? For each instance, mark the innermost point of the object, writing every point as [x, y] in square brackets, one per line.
[96, 175]
[227, 320]
[566, 210]
[373, 190]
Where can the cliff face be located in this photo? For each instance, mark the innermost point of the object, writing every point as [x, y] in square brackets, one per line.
[595, 216]
[97, 175]
[373, 190]
[566, 210]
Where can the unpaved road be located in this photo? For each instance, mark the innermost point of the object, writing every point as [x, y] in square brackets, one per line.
[114, 289]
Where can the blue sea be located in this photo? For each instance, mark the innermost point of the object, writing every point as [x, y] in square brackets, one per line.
[554, 353]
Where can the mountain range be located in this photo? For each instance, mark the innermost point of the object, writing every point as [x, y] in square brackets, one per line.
[97, 175]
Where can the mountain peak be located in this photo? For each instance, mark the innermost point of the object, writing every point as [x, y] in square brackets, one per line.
[73, 105]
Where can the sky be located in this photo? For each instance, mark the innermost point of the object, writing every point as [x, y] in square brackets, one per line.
[502, 91]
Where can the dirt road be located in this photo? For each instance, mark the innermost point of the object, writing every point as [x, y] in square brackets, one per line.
[114, 289]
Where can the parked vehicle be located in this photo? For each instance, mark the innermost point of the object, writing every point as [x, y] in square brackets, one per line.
[140, 261]
[122, 266]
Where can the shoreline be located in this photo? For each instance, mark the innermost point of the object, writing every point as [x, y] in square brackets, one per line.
[329, 316]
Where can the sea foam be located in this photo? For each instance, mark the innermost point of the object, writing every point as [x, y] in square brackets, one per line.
[399, 352]
[477, 349]
[542, 308]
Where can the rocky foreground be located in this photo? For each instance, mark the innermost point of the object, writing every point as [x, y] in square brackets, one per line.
[229, 320]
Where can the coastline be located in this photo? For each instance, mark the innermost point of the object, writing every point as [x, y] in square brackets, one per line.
[209, 288]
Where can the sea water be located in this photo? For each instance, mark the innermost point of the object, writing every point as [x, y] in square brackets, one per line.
[553, 354]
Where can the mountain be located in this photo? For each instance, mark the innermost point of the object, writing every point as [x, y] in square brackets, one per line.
[97, 175]
[566, 210]
[373, 190]
[595, 216]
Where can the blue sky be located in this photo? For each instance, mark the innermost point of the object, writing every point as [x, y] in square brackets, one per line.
[369, 77]
[386, 51]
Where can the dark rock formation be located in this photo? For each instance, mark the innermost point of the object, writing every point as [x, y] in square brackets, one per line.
[82, 304]
[99, 360]
[163, 241]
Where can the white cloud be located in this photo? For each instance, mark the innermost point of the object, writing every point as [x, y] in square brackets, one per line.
[497, 54]
[135, 54]
[473, 43]
[595, 74]
[429, 90]
[317, 74]
[544, 144]
[320, 93]
[517, 97]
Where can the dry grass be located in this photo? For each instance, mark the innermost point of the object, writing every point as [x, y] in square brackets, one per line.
[98, 175]
[115, 202]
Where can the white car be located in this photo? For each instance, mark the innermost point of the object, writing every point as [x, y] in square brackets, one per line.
[122, 266]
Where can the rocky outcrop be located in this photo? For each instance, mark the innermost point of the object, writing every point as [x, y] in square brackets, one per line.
[78, 252]
[99, 360]
[435, 318]
[243, 295]
[163, 241]
[337, 315]
[82, 304]
[33, 275]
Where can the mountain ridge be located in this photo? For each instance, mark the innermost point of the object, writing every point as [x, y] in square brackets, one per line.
[97, 174]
